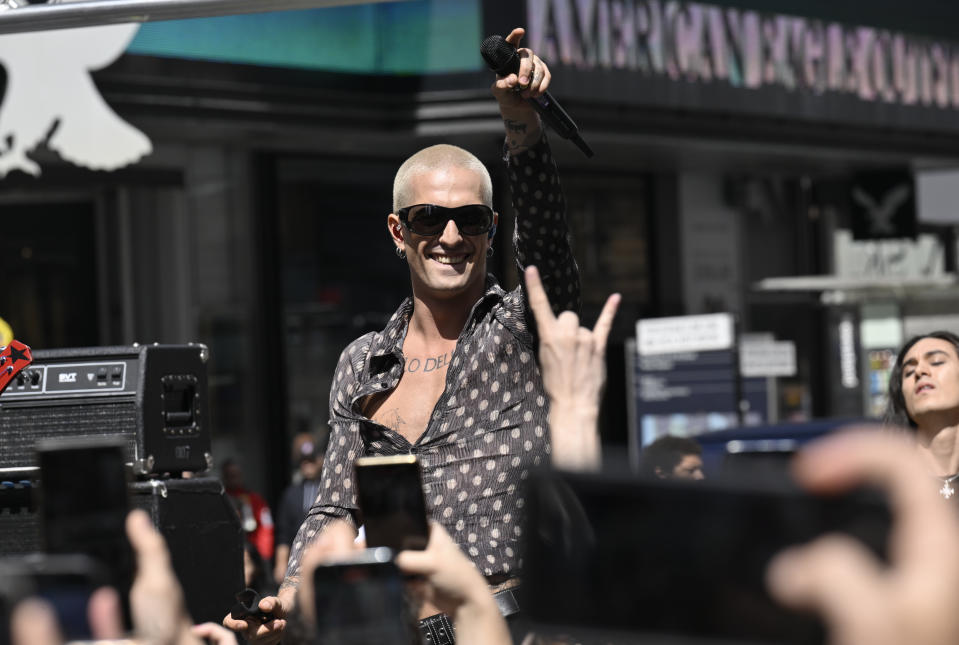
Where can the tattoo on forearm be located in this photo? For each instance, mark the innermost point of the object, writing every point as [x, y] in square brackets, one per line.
[518, 137]
[430, 364]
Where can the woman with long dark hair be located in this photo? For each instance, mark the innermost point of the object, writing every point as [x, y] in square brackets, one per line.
[924, 396]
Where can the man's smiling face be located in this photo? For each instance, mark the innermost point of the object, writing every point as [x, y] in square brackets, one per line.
[449, 263]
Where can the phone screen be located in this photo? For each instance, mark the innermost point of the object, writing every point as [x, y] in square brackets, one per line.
[85, 501]
[358, 603]
[84, 504]
[393, 509]
[675, 558]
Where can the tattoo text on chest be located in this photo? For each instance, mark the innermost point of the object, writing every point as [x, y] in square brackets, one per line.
[430, 364]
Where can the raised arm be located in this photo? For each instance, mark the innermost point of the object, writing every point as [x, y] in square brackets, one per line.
[523, 126]
[541, 236]
[573, 363]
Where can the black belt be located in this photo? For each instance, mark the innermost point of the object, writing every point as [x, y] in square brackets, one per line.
[506, 601]
[438, 629]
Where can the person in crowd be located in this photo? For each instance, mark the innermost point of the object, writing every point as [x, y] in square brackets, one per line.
[296, 500]
[157, 604]
[924, 396]
[671, 457]
[255, 516]
[453, 377]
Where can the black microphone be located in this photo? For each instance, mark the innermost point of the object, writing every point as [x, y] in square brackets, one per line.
[503, 59]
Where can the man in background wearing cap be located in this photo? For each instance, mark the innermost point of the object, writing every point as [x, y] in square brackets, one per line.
[308, 452]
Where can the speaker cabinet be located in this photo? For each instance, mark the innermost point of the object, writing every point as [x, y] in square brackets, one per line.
[197, 519]
[202, 530]
[154, 396]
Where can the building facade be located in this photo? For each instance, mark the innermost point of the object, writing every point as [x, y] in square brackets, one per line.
[729, 141]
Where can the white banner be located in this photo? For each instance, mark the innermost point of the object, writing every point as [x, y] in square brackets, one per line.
[685, 334]
[776, 358]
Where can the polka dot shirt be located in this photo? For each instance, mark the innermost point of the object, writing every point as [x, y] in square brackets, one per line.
[489, 428]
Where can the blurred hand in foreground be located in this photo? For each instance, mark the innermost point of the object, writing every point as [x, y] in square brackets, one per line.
[156, 600]
[861, 600]
[454, 585]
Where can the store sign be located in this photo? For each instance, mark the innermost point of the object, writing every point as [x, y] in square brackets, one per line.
[848, 354]
[51, 99]
[691, 41]
[923, 258]
[677, 334]
[883, 205]
[767, 358]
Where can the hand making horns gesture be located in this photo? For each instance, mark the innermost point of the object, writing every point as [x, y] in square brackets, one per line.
[573, 363]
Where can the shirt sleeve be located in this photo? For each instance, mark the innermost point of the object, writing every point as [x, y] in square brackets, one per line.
[541, 236]
[336, 499]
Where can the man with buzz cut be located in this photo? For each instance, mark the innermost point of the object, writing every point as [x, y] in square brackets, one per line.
[453, 378]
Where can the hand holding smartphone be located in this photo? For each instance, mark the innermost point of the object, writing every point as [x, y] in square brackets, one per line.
[361, 600]
[611, 555]
[393, 509]
[84, 505]
[65, 581]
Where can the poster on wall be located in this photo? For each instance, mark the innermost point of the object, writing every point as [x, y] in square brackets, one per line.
[684, 375]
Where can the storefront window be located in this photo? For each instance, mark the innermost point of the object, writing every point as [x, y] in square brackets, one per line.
[49, 273]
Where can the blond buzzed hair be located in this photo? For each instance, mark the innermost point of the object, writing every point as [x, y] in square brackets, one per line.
[439, 157]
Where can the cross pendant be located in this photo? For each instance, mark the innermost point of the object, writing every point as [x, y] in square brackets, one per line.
[947, 491]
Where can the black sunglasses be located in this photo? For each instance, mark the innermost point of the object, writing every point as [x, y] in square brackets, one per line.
[429, 219]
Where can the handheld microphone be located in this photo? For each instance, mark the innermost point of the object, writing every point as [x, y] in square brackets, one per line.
[503, 59]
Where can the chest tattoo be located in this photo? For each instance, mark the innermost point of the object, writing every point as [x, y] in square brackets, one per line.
[393, 420]
[430, 364]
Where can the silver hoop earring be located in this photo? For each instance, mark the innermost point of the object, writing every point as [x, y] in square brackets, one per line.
[489, 252]
[400, 253]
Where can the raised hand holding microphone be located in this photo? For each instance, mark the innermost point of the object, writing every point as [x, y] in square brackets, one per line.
[511, 91]
[525, 74]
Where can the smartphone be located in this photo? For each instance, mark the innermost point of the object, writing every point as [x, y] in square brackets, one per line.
[392, 506]
[608, 555]
[65, 581]
[362, 600]
[84, 503]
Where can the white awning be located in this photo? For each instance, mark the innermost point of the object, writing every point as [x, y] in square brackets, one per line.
[837, 290]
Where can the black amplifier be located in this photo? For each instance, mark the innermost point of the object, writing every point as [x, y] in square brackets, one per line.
[154, 396]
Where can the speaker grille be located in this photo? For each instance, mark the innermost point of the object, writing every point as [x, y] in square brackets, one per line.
[21, 427]
[19, 532]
